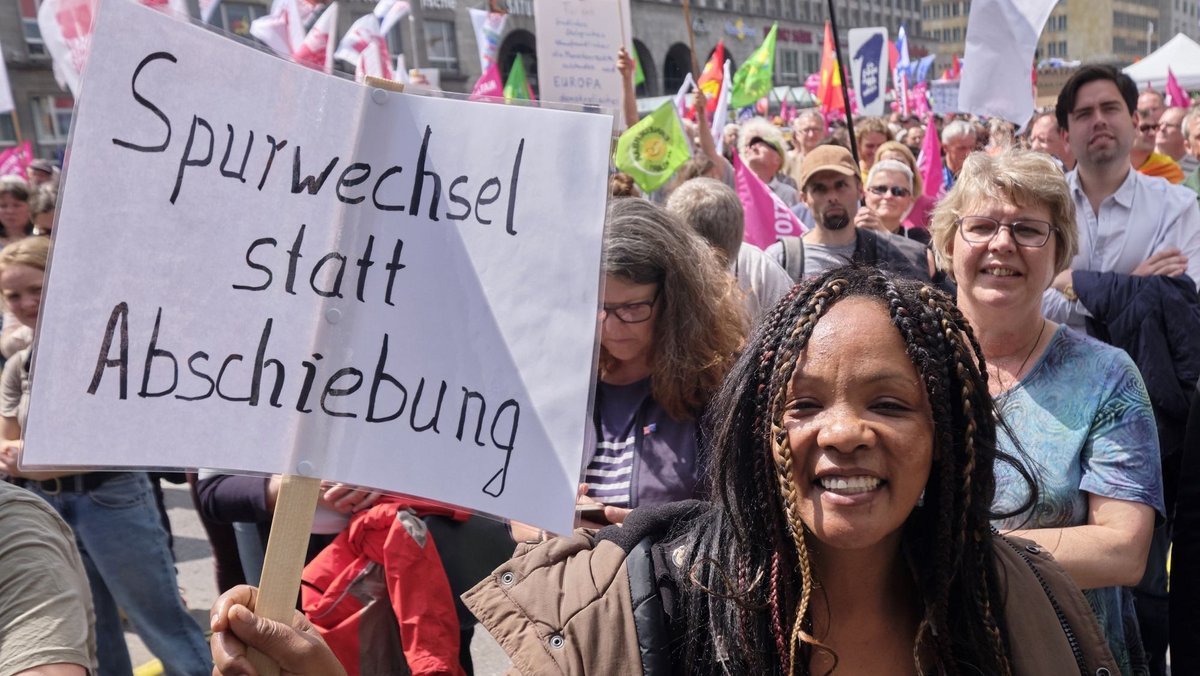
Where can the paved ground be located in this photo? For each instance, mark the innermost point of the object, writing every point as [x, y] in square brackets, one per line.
[199, 587]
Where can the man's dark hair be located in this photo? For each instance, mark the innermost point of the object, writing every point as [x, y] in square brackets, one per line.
[1091, 73]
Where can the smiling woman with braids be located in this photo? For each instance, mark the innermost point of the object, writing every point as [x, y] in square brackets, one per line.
[851, 471]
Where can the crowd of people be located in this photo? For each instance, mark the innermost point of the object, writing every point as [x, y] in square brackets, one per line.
[941, 432]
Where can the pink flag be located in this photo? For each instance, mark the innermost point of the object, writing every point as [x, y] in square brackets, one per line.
[15, 161]
[1176, 96]
[489, 84]
[920, 99]
[316, 51]
[930, 161]
[767, 217]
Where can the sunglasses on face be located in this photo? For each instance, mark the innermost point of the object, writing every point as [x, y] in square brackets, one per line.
[896, 190]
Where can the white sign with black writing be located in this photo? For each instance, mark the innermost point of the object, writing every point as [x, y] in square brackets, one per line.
[577, 50]
[260, 267]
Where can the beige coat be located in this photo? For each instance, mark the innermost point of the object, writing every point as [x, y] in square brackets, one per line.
[564, 607]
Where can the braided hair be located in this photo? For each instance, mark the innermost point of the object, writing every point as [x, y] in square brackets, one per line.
[750, 579]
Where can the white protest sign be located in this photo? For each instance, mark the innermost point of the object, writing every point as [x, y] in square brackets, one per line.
[577, 50]
[293, 273]
[868, 59]
[943, 96]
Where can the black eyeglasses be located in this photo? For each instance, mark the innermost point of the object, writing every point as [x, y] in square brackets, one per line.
[1030, 233]
[896, 190]
[632, 313]
[1147, 128]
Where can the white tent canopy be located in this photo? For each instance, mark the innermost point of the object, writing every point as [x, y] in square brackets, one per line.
[1180, 53]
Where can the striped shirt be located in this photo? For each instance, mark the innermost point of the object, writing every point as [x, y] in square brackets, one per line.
[609, 474]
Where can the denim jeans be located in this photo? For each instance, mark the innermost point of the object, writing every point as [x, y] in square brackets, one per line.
[128, 562]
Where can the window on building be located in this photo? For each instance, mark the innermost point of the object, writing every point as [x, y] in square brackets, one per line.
[957, 34]
[1062, 48]
[8, 133]
[29, 26]
[236, 16]
[789, 66]
[812, 62]
[954, 6]
[52, 121]
[440, 44]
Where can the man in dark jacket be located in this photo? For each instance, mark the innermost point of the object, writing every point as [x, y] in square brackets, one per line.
[831, 188]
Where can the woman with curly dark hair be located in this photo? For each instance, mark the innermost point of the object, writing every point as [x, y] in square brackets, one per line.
[853, 448]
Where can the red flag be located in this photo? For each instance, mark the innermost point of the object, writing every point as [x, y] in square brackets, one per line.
[829, 93]
[710, 80]
[955, 68]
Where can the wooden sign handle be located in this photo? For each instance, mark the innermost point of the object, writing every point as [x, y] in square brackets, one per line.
[284, 561]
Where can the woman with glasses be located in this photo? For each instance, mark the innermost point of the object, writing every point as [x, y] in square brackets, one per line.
[889, 197]
[1076, 406]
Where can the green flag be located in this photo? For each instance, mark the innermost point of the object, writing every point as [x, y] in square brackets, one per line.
[753, 79]
[651, 150]
[517, 85]
[639, 75]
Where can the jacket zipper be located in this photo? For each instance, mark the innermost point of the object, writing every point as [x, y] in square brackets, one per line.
[1062, 618]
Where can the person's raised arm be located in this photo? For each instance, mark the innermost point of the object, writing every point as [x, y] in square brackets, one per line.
[626, 68]
[721, 166]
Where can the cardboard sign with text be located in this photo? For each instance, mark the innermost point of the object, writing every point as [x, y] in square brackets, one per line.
[577, 50]
[258, 267]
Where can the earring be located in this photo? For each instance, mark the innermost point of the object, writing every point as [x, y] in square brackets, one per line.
[921, 499]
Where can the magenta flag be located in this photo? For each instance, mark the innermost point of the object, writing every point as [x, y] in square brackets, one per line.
[489, 84]
[15, 160]
[920, 99]
[767, 217]
[1176, 96]
[930, 161]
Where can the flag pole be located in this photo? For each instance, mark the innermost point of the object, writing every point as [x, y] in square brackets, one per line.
[687, 17]
[837, 50]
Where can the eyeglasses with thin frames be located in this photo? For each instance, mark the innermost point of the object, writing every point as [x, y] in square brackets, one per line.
[1027, 232]
[631, 313]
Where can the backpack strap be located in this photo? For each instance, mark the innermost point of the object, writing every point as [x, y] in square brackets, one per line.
[793, 256]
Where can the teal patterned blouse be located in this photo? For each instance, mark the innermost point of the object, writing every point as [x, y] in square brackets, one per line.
[1085, 425]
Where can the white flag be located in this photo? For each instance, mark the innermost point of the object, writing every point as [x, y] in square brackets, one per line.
[66, 27]
[389, 13]
[1002, 36]
[681, 96]
[316, 51]
[374, 60]
[364, 30]
[283, 29]
[6, 99]
[488, 28]
[721, 114]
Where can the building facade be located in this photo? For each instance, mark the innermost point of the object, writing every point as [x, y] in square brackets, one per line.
[438, 37]
[1106, 31]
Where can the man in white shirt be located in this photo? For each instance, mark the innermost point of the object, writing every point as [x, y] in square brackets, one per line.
[1128, 223]
[1133, 225]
